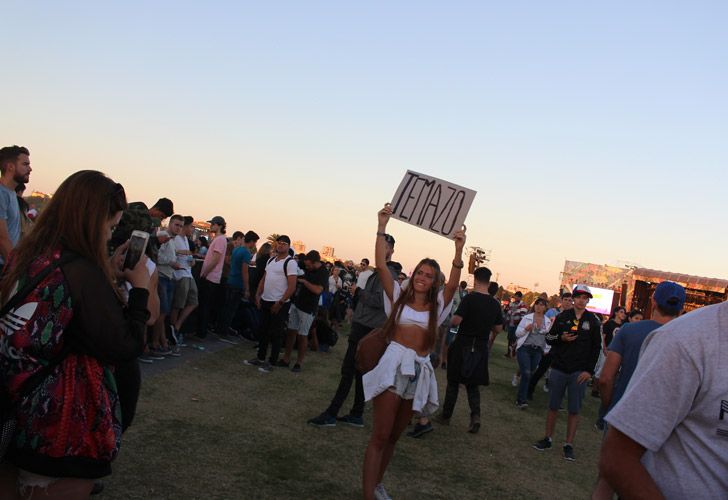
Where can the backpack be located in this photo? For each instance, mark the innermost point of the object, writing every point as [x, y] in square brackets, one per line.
[285, 264]
[7, 406]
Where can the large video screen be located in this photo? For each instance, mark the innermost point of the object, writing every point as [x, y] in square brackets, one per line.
[602, 301]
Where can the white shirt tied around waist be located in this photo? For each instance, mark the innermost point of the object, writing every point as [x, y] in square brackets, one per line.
[399, 357]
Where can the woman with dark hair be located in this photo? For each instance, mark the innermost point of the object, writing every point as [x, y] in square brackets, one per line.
[635, 315]
[615, 321]
[404, 380]
[72, 329]
[530, 343]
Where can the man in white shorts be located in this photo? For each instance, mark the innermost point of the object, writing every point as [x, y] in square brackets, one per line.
[305, 305]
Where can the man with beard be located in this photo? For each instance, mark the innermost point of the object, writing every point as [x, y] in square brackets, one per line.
[15, 169]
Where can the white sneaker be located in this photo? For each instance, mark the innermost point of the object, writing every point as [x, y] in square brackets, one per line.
[380, 493]
[545, 388]
[514, 380]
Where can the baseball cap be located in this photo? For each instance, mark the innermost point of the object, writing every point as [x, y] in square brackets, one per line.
[669, 296]
[284, 238]
[217, 220]
[582, 290]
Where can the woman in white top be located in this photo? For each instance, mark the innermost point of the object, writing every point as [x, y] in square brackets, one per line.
[530, 344]
[404, 380]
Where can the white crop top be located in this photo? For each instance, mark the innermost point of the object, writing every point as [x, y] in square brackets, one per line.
[410, 316]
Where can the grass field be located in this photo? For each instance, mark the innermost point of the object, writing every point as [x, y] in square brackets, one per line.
[216, 429]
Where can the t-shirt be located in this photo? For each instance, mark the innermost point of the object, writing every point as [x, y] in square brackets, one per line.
[552, 313]
[676, 405]
[627, 343]
[241, 255]
[306, 300]
[361, 280]
[185, 261]
[10, 213]
[276, 281]
[480, 313]
[217, 247]
[335, 284]
[516, 311]
[608, 331]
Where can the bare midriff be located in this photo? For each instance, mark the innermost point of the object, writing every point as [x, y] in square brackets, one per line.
[413, 337]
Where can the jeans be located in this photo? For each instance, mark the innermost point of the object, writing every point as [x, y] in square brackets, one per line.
[231, 303]
[272, 330]
[543, 367]
[349, 375]
[528, 357]
[208, 291]
[451, 397]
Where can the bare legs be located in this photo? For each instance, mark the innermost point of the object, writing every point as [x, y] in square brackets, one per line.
[391, 417]
[302, 346]
[179, 316]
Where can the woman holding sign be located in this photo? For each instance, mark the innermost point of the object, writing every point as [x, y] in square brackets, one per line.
[404, 381]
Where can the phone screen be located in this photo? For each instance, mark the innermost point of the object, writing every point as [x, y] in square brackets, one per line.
[137, 246]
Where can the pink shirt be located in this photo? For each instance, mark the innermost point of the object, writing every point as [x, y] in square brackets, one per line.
[217, 247]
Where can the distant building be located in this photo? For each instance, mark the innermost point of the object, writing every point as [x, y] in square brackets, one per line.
[513, 288]
[298, 246]
[327, 253]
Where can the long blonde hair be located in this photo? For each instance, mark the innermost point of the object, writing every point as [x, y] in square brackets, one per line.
[408, 296]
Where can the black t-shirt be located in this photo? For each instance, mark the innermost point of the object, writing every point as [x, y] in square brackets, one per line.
[306, 300]
[480, 313]
[608, 330]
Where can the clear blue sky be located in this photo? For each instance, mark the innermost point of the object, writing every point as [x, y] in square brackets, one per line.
[591, 132]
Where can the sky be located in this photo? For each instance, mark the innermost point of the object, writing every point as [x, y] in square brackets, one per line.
[591, 131]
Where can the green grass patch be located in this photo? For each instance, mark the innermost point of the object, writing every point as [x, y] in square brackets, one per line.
[216, 429]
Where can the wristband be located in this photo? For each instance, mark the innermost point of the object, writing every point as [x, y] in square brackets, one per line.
[381, 234]
[462, 264]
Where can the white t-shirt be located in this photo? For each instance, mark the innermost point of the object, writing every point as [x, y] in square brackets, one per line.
[334, 284]
[276, 281]
[676, 405]
[185, 261]
[361, 281]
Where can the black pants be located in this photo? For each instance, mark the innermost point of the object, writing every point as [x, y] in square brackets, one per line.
[272, 330]
[543, 365]
[451, 397]
[208, 293]
[349, 375]
[232, 299]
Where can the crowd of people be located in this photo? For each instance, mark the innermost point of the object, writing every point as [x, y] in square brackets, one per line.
[78, 316]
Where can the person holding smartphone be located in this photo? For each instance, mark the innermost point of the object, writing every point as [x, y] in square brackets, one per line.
[73, 330]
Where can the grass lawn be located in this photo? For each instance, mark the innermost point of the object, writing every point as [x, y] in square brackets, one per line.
[216, 429]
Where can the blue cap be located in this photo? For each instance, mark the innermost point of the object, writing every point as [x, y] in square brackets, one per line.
[670, 296]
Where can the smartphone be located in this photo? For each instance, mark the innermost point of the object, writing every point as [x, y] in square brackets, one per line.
[137, 247]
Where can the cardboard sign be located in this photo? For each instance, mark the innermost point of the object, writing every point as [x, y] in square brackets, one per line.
[431, 203]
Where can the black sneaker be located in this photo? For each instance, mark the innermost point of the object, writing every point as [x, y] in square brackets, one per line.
[351, 420]
[569, 453]
[522, 405]
[296, 368]
[323, 420]
[266, 367]
[253, 362]
[544, 444]
[420, 430]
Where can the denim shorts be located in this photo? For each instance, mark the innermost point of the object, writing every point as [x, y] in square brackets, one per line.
[561, 383]
[165, 288]
[404, 386]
